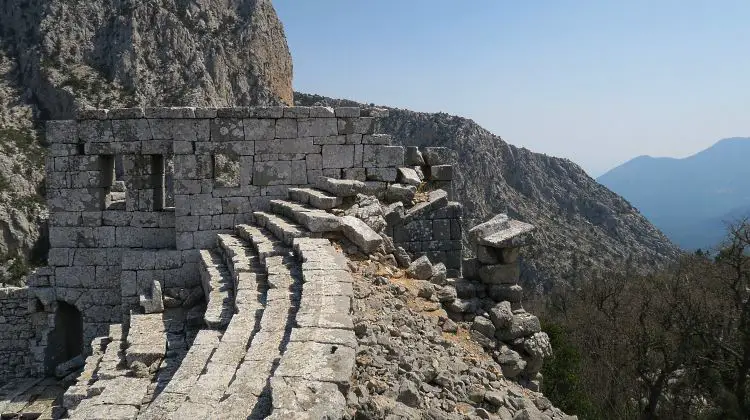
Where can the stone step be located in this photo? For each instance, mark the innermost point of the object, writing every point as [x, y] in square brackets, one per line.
[263, 242]
[147, 339]
[316, 198]
[321, 352]
[340, 187]
[248, 395]
[218, 286]
[212, 382]
[360, 234]
[281, 227]
[185, 378]
[238, 255]
[315, 220]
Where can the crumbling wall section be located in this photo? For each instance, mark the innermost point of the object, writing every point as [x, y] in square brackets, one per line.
[435, 231]
[16, 329]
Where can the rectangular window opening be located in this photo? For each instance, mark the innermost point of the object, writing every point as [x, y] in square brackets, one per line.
[114, 187]
[157, 181]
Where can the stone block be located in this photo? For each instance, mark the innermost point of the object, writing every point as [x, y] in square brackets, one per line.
[288, 146]
[286, 128]
[382, 174]
[297, 112]
[95, 131]
[347, 112]
[362, 125]
[376, 156]
[359, 174]
[172, 112]
[272, 173]
[441, 230]
[440, 173]
[317, 127]
[382, 139]
[227, 129]
[61, 132]
[321, 112]
[338, 156]
[259, 129]
[226, 170]
[499, 273]
[267, 112]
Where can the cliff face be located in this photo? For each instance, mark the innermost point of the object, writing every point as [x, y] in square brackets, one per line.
[58, 55]
[581, 224]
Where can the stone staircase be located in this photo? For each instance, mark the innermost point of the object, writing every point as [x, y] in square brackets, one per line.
[277, 341]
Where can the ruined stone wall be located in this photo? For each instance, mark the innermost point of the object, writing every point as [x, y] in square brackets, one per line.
[187, 174]
[15, 331]
[436, 234]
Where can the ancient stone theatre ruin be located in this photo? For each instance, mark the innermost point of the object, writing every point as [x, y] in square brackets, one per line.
[199, 262]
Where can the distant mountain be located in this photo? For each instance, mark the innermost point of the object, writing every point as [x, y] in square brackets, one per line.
[689, 199]
[582, 226]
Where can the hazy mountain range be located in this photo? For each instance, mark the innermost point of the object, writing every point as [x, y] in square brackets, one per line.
[689, 199]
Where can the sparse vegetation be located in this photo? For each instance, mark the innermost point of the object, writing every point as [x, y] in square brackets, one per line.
[671, 345]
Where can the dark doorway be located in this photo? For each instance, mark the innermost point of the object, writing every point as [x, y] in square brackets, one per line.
[66, 338]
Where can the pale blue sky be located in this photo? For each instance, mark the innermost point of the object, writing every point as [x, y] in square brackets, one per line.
[598, 82]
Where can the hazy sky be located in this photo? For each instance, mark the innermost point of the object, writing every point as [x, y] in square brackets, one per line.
[598, 82]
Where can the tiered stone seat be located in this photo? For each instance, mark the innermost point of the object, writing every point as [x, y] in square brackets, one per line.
[340, 187]
[280, 226]
[184, 379]
[147, 340]
[248, 394]
[316, 198]
[218, 285]
[315, 220]
[320, 356]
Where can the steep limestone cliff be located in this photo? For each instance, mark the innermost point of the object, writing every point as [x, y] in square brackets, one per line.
[581, 224]
[59, 55]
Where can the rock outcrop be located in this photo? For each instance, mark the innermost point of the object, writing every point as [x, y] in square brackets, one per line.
[581, 225]
[57, 56]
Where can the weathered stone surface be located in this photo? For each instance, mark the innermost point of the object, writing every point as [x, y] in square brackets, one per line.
[360, 234]
[304, 399]
[400, 192]
[340, 187]
[317, 362]
[408, 176]
[413, 156]
[315, 198]
[501, 315]
[420, 269]
[522, 325]
[500, 273]
[152, 302]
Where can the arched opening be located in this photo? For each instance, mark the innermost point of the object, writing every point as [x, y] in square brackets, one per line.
[65, 341]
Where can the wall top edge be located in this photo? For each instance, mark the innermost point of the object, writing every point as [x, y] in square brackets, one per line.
[229, 112]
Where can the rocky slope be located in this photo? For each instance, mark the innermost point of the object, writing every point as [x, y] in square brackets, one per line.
[58, 55]
[581, 224]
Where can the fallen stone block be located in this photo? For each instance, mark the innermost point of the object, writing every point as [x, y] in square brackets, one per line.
[420, 269]
[154, 302]
[360, 234]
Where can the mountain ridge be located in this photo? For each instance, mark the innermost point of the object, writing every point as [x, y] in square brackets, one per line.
[679, 194]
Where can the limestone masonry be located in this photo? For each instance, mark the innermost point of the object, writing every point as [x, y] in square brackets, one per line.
[191, 271]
